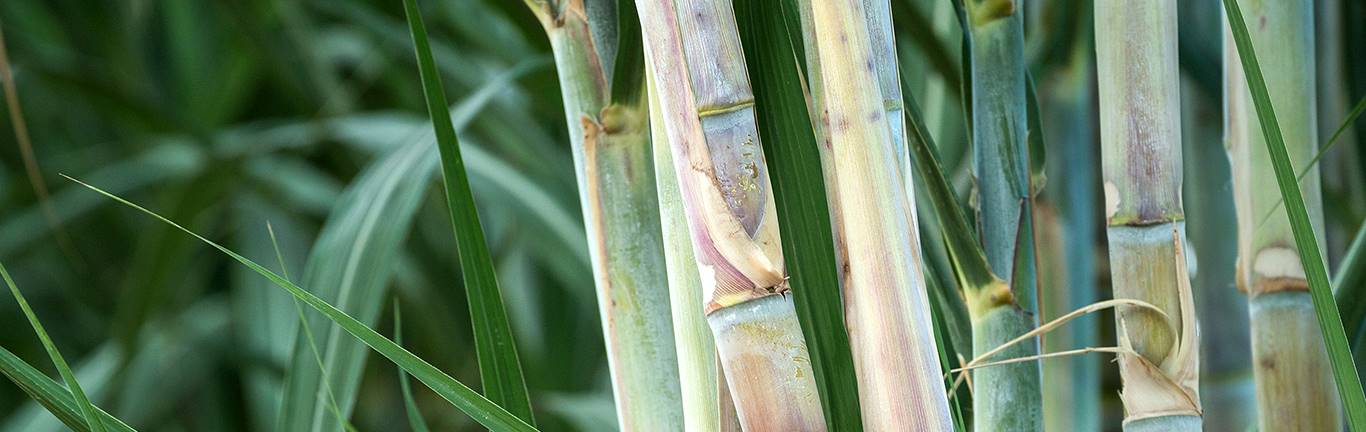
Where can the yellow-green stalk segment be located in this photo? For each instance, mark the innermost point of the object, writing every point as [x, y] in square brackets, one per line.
[610, 144]
[1139, 86]
[708, 111]
[1295, 388]
[1006, 397]
[697, 368]
[886, 304]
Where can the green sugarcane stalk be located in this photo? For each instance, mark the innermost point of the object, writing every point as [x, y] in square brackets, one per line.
[615, 172]
[1005, 397]
[697, 368]
[1295, 387]
[886, 302]
[707, 106]
[1136, 55]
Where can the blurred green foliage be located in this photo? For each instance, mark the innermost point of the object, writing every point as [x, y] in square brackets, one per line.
[226, 115]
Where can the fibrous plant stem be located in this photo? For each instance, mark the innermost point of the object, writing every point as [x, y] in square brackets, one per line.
[1005, 397]
[1295, 388]
[707, 107]
[1139, 85]
[697, 368]
[886, 302]
[612, 158]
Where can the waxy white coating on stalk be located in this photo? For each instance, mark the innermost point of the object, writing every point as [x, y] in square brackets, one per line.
[1293, 375]
[886, 303]
[1139, 86]
[611, 154]
[698, 371]
[708, 114]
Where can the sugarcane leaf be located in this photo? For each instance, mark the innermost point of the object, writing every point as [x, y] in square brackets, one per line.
[350, 266]
[969, 260]
[965, 69]
[459, 395]
[415, 420]
[799, 192]
[1346, 123]
[1037, 149]
[919, 28]
[1311, 258]
[1351, 293]
[88, 411]
[500, 371]
[628, 69]
[52, 395]
[332, 405]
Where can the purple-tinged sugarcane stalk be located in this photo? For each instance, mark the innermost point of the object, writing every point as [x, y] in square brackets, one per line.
[707, 107]
[1140, 108]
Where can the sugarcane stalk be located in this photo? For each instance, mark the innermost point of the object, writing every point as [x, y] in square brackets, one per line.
[1295, 387]
[1006, 397]
[615, 174]
[697, 368]
[886, 302]
[708, 111]
[1136, 58]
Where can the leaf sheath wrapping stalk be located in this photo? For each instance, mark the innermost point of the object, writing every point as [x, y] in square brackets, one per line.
[1295, 389]
[886, 302]
[612, 159]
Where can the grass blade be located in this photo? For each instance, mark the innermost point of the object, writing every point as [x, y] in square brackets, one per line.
[461, 396]
[1316, 272]
[52, 396]
[1351, 283]
[415, 420]
[87, 410]
[799, 191]
[499, 369]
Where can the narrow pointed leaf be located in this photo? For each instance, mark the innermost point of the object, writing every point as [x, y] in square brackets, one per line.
[481, 409]
[966, 253]
[1316, 272]
[500, 370]
[88, 411]
[415, 420]
[52, 396]
[799, 192]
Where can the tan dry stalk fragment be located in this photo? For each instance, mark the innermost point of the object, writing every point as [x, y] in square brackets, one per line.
[693, 48]
[1136, 53]
[1294, 381]
[611, 150]
[886, 302]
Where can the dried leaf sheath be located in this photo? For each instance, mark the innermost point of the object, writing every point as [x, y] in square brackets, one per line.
[1295, 389]
[1140, 137]
[707, 108]
[612, 158]
[887, 307]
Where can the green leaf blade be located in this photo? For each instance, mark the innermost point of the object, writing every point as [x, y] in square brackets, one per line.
[52, 396]
[479, 408]
[499, 368]
[799, 191]
[88, 411]
[1316, 272]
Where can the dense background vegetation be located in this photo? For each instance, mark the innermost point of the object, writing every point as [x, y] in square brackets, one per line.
[226, 115]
